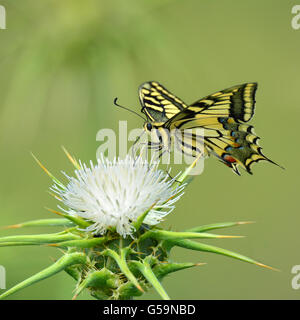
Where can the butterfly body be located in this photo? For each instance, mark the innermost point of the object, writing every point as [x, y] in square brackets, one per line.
[222, 117]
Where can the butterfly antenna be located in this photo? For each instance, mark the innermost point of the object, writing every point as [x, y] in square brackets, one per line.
[116, 104]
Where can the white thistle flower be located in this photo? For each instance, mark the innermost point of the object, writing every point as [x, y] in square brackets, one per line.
[115, 193]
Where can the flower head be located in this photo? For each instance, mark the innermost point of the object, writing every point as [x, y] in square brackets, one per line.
[115, 193]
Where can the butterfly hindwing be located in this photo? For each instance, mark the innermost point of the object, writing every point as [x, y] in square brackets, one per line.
[236, 145]
[231, 142]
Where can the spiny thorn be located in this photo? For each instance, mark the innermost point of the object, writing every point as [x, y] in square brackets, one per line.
[200, 264]
[137, 252]
[140, 288]
[132, 243]
[72, 159]
[54, 195]
[41, 165]
[54, 211]
[246, 222]
[61, 250]
[51, 258]
[229, 237]
[75, 296]
[46, 170]
[267, 267]
[13, 226]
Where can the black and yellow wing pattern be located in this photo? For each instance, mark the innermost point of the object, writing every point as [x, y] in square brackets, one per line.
[222, 116]
[158, 104]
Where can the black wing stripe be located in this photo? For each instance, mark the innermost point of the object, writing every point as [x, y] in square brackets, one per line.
[238, 100]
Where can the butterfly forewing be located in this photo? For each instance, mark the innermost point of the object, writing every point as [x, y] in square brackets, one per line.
[237, 102]
[158, 103]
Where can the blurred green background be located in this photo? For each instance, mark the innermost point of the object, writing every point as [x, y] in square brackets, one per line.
[63, 62]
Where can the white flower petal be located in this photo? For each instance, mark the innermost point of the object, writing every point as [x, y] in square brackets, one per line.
[115, 193]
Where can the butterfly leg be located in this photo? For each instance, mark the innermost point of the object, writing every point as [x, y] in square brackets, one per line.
[154, 145]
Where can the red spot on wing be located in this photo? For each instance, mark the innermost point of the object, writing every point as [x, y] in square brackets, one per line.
[229, 159]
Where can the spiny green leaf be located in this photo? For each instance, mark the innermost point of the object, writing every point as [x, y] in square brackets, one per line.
[122, 263]
[147, 272]
[163, 269]
[61, 264]
[84, 243]
[42, 223]
[103, 278]
[73, 272]
[193, 245]
[214, 226]
[137, 224]
[128, 290]
[80, 222]
[168, 235]
[15, 244]
[38, 239]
